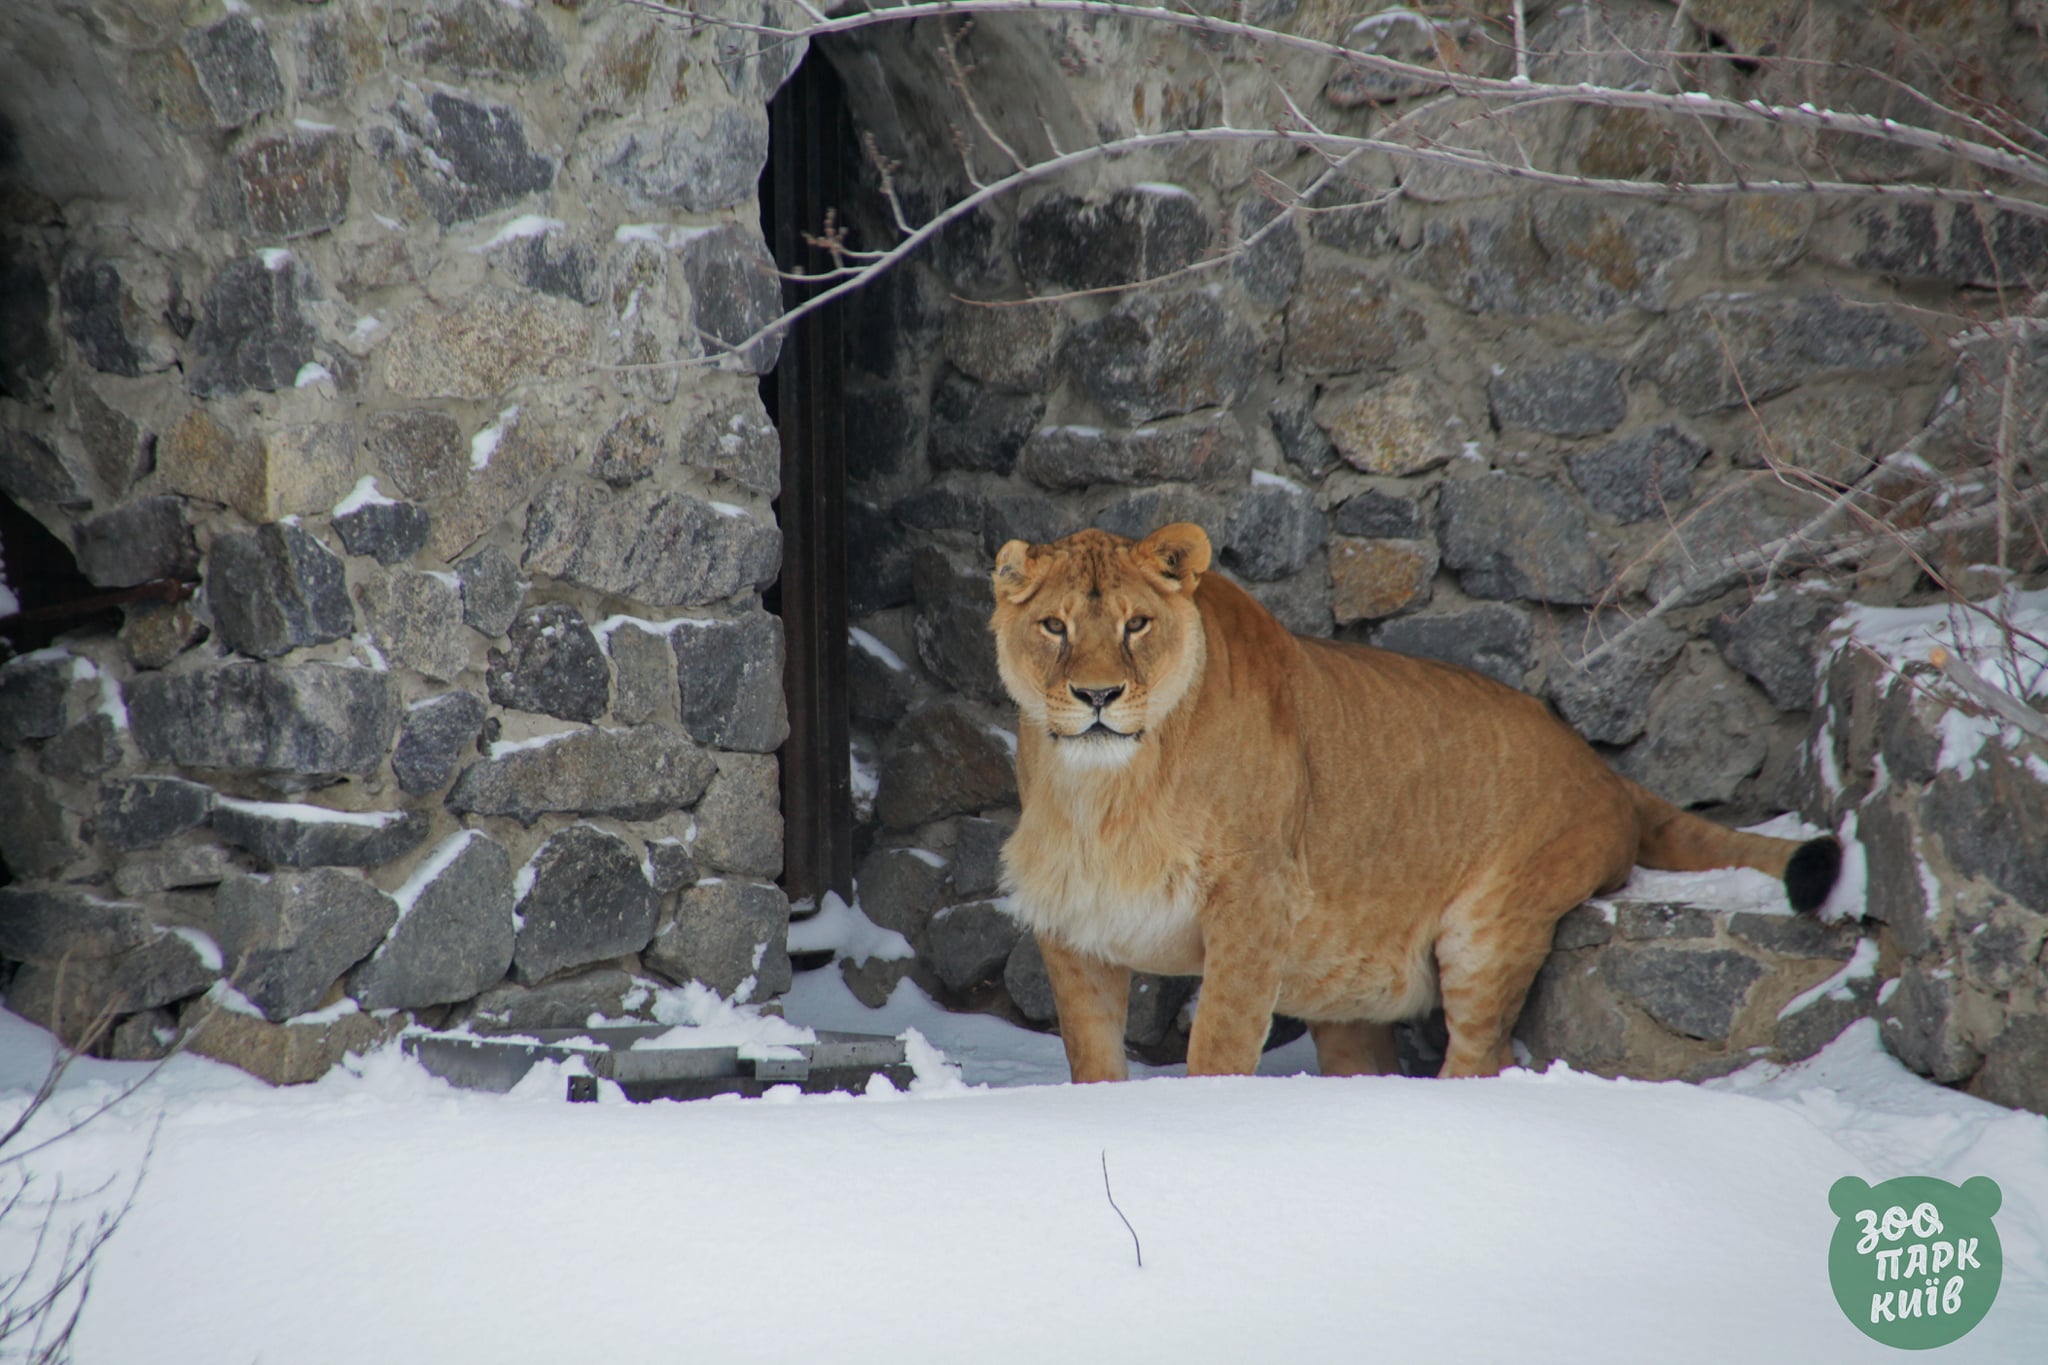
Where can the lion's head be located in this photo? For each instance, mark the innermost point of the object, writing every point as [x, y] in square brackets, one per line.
[1098, 637]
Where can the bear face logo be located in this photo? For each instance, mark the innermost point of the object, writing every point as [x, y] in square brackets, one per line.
[1915, 1261]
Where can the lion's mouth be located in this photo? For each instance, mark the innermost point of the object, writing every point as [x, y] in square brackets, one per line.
[1100, 731]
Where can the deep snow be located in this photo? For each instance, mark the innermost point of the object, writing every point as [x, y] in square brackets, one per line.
[379, 1215]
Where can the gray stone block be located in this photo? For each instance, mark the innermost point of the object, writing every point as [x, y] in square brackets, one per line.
[491, 591]
[286, 939]
[1305, 444]
[978, 856]
[1156, 356]
[644, 686]
[73, 997]
[1068, 243]
[1379, 516]
[1577, 394]
[665, 548]
[2016, 1065]
[1657, 920]
[739, 818]
[736, 441]
[583, 899]
[1583, 926]
[1919, 1024]
[172, 868]
[701, 169]
[425, 453]
[33, 470]
[93, 305]
[1010, 349]
[1696, 992]
[568, 1002]
[1152, 1010]
[671, 865]
[1993, 825]
[38, 837]
[629, 450]
[146, 539]
[430, 744]
[1775, 342]
[85, 750]
[974, 427]
[944, 760]
[35, 692]
[734, 292]
[236, 73]
[119, 448]
[30, 349]
[1492, 638]
[568, 270]
[1273, 531]
[951, 628]
[286, 835]
[1803, 1033]
[52, 924]
[1139, 513]
[730, 673]
[2000, 949]
[1608, 701]
[469, 158]
[275, 590]
[415, 620]
[727, 934]
[307, 719]
[1025, 979]
[1796, 935]
[481, 38]
[1269, 268]
[901, 888]
[1700, 742]
[1644, 475]
[1957, 244]
[630, 774]
[1777, 642]
[970, 944]
[254, 329]
[389, 532]
[144, 811]
[551, 665]
[454, 933]
[1206, 447]
[1515, 537]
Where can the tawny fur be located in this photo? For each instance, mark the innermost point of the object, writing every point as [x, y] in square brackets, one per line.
[1319, 829]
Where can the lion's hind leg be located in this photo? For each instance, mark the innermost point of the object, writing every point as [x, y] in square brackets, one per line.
[1355, 1047]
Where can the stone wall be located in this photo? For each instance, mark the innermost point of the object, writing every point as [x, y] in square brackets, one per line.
[1438, 412]
[393, 326]
[1951, 805]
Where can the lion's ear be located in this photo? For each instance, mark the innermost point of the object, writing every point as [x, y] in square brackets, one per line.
[1178, 553]
[1016, 576]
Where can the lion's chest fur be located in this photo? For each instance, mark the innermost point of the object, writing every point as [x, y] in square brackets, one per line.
[1108, 873]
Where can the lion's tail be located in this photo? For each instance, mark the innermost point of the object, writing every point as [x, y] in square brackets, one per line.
[1673, 840]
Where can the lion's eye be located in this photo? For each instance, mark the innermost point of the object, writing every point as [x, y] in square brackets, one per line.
[1052, 625]
[1137, 625]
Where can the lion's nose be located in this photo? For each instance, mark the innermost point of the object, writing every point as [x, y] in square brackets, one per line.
[1097, 697]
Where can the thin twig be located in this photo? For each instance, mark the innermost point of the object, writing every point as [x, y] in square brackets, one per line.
[1135, 1246]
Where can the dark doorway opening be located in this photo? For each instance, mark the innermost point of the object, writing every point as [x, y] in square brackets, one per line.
[811, 151]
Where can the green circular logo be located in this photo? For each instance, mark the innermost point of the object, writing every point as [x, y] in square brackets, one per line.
[1915, 1261]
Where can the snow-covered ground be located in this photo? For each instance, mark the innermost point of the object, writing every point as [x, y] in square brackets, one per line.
[381, 1216]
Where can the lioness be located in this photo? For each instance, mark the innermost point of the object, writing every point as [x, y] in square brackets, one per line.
[1325, 830]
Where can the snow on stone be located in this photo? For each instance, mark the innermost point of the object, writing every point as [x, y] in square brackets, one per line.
[376, 661]
[1162, 189]
[306, 125]
[311, 373]
[1266, 479]
[9, 603]
[651, 233]
[328, 1014]
[524, 226]
[431, 867]
[1388, 19]
[522, 883]
[926, 856]
[603, 629]
[867, 784]
[1008, 739]
[484, 444]
[203, 947]
[726, 509]
[848, 933]
[364, 494]
[275, 257]
[502, 747]
[1861, 966]
[310, 815]
[366, 327]
[225, 997]
[112, 704]
[874, 648]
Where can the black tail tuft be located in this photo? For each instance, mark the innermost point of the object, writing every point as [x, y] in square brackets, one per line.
[1811, 873]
